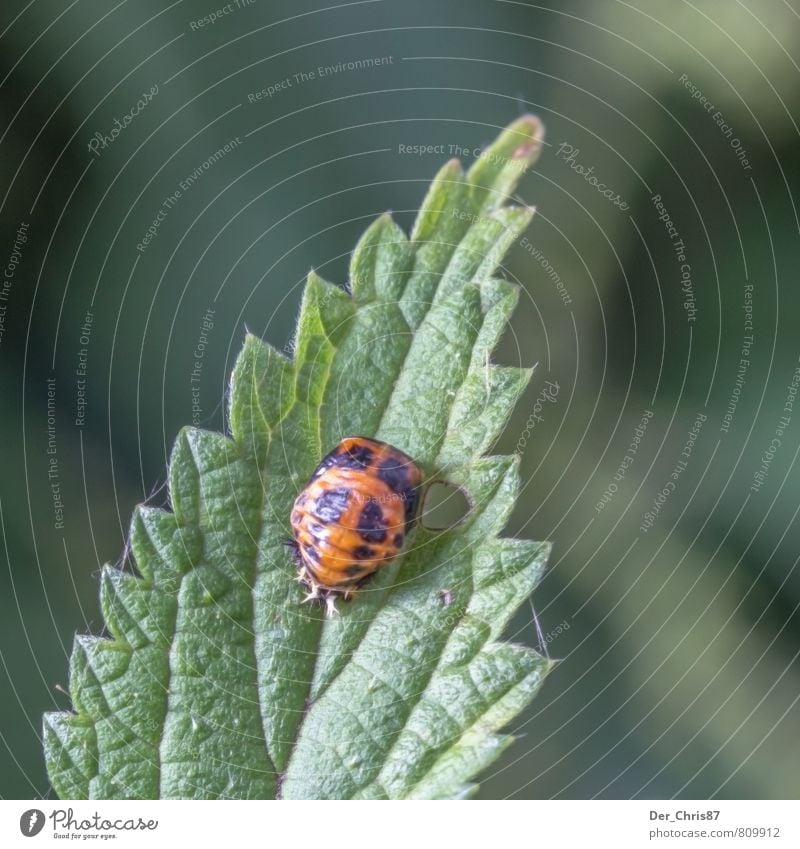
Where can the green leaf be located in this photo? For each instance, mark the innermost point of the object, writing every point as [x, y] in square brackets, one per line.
[217, 682]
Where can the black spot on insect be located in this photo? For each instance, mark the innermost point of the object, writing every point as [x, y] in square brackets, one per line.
[296, 517]
[371, 525]
[316, 529]
[363, 552]
[398, 540]
[354, 457]
[331, 504]
[354, 569]
[410, 498]
[325, 464]
[311, 553]
[395, 474]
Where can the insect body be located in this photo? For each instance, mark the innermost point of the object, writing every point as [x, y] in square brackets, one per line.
[353, 516]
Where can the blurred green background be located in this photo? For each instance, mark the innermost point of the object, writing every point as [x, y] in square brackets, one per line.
[679, 636]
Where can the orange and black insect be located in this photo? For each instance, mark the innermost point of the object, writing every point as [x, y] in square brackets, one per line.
[353, 517]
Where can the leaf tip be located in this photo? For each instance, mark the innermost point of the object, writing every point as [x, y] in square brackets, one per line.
[530, 127]
[496, 172]
[551, 663]
[527, 373]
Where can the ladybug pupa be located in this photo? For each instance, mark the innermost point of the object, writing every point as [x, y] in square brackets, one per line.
[353, 517]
